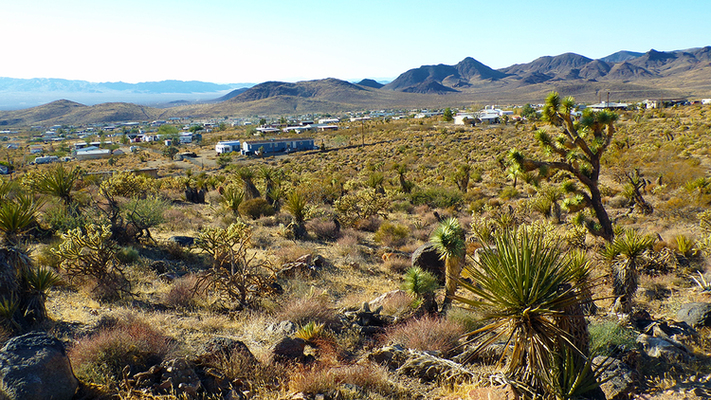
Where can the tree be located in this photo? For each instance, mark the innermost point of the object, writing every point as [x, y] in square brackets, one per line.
[576, 151]
[529, 112]
[448, 240]
[195, 128]
[448, 115]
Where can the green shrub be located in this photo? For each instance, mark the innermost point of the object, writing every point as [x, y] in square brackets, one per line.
[390, 234]
[256, 208]
[437, 197]
[127, 255]
[608, 337]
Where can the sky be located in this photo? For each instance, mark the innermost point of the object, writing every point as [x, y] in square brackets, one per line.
[234, 41]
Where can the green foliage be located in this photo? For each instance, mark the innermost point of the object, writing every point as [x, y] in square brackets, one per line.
[168, 130]
[418, 282]
[448, 115]
[234, 275]
[449, 241]
[170, 151]
[223, 159]
[310, 332]
[529, 112]
[58, 182]
[17, 216]
[624, 255]
[437, 197]
[577, 150]
[91, 257]
[141, 214]
[355, 207]
[256, 208]
[232, 197]
[391, 234]
[531, 296]
[607, 338]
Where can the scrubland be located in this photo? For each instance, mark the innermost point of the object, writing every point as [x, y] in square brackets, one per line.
[288, 246]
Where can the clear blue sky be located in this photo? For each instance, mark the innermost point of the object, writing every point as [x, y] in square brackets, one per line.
[229, 41]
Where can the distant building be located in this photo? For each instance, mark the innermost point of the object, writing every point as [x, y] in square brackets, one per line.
[92, 153]
[228, 146]
[277, 146]
[608, 106]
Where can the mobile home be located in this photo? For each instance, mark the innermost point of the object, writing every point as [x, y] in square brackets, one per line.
[277, 146]
[227, 146]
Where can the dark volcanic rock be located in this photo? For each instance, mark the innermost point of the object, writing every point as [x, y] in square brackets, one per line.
[35, 366]
[427, 258]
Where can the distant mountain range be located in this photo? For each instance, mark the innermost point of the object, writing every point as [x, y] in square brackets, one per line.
[624, 75]
[16, 92]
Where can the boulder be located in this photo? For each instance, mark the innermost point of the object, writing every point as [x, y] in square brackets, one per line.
[422, 365]
[619, 380]
[307, 264]
[665, 350]
[427, 258]
[289, 350]
[695, 314]
[184, 241]
[225, 348]
[35, 366]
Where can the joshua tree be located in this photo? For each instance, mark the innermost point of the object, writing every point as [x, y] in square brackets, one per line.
[296, 206]
[421, 284]
[448, 239]
[58, 182]
[247, 176]
[462, 176]
[576, 150]
[405, 185]
[625, 255]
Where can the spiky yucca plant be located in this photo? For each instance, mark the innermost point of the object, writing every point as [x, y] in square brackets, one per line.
[296, 206]
[38, 281]
[532, 297]
[421, 284]
[448, 240]
[625, 255]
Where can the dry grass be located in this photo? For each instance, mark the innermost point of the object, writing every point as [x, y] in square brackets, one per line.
[427, 334]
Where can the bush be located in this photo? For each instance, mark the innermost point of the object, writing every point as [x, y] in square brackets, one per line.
[182, 293]
[92, 257]
[308, 309]
[390, 234]
[608, 338]
[256, 208]
[427, 334]
[324, 229]
[127, 255]
[437, 197]
[100, 358]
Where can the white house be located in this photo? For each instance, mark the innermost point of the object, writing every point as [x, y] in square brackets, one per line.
[227, 146]
[705, 101]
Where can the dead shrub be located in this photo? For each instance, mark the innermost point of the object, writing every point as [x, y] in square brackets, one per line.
[328, 379]
[290, 253]
[397, 265]
[101, 357]
[370, 224]
[324, 229]
[308, 309]
[182, 293]
[427, 334]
